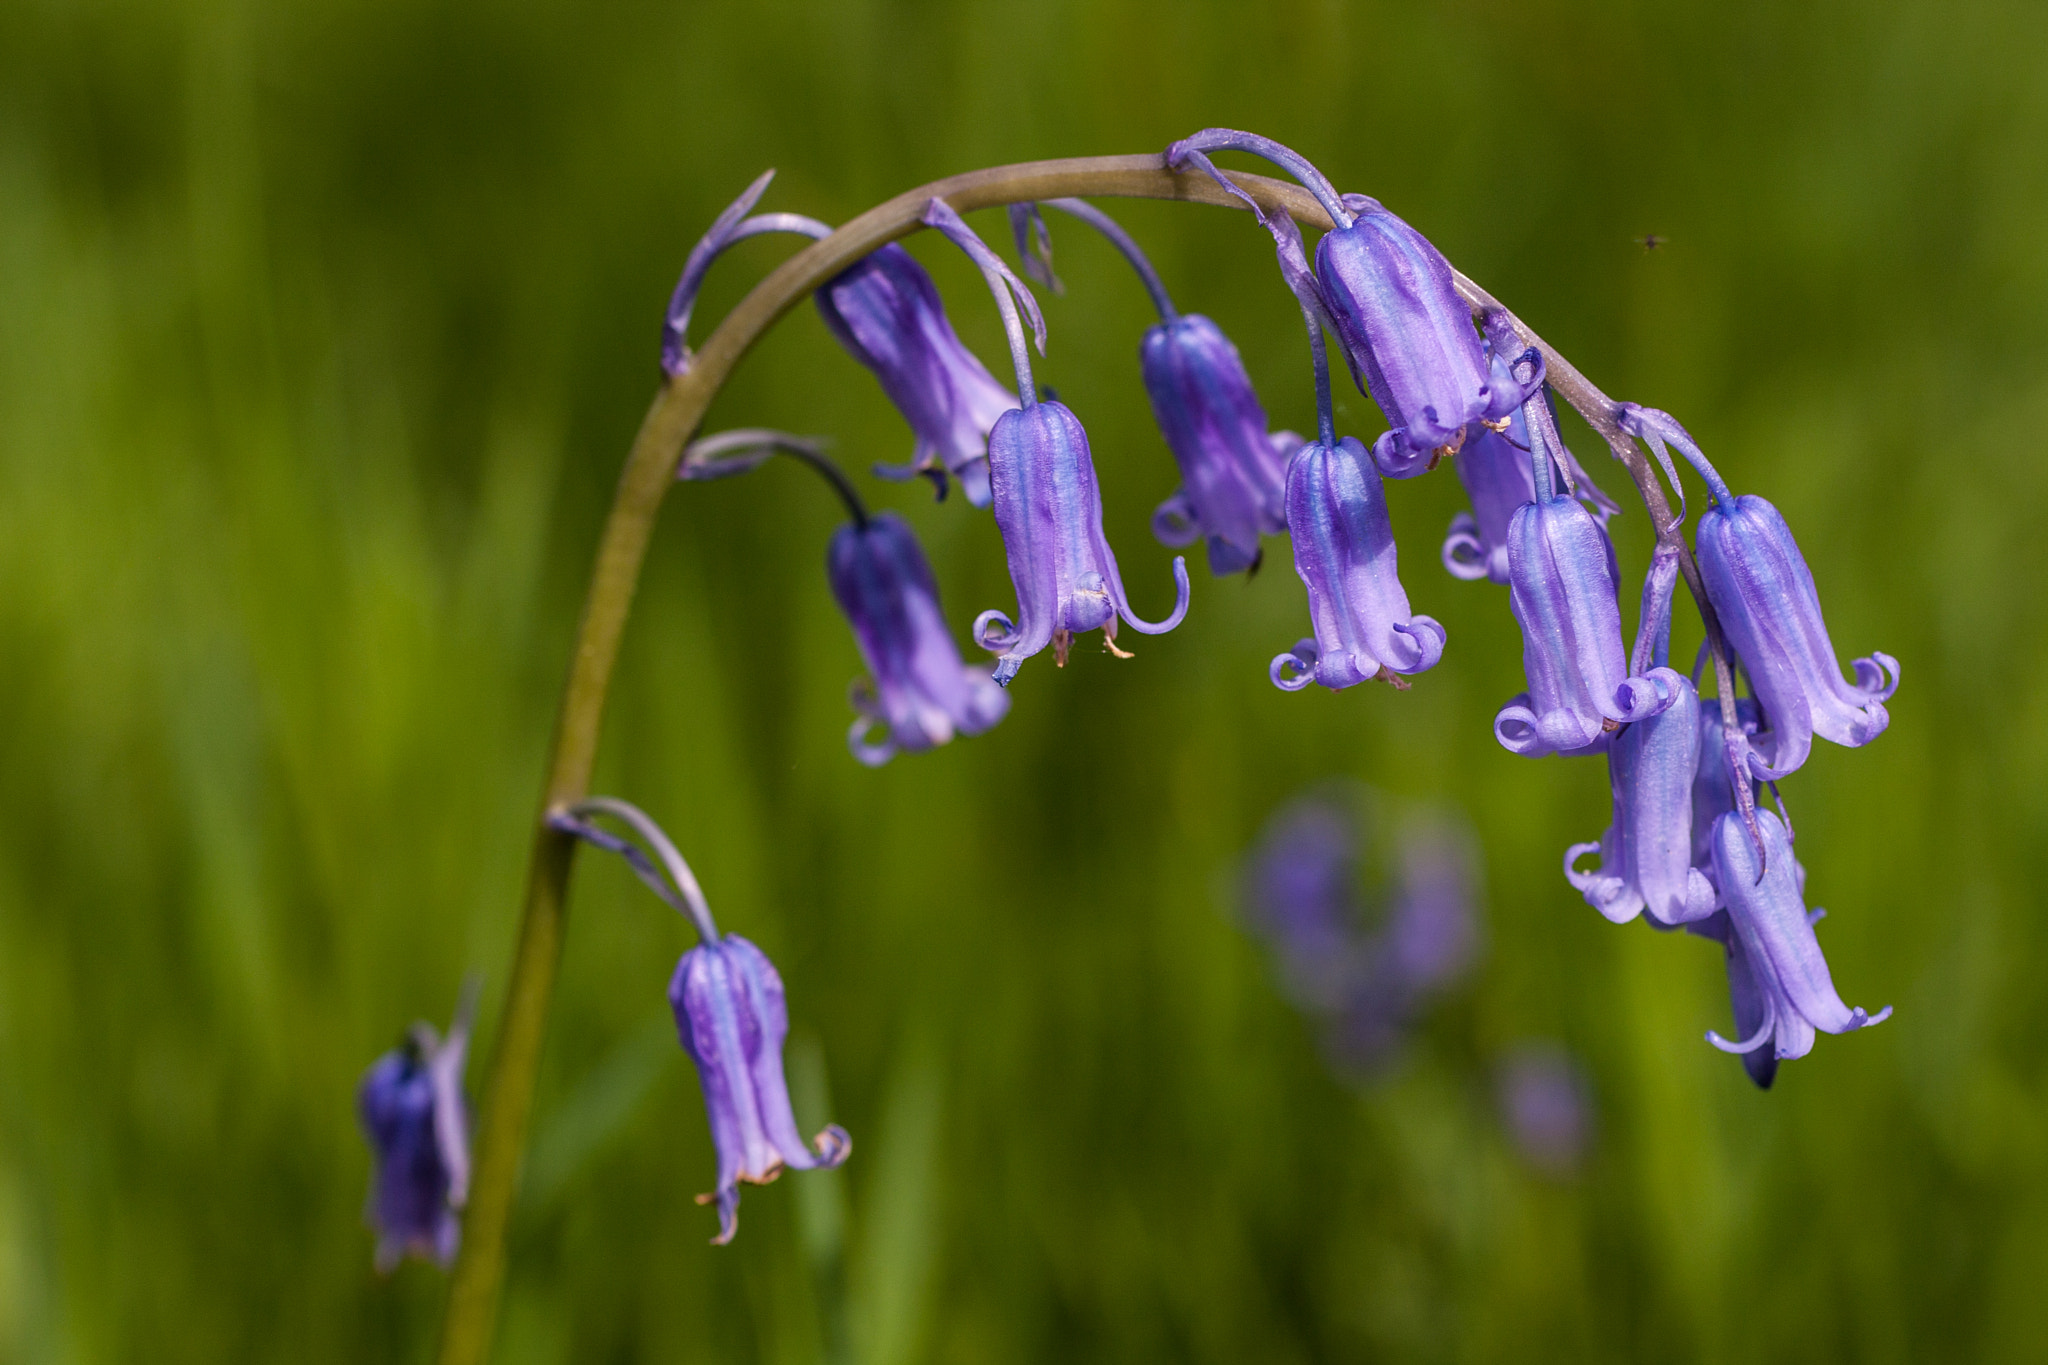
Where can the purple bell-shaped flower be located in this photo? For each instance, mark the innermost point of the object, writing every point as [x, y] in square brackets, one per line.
[1764, 594]
[1562, 581]
[732, 1019]
[1344, 551]
[917, 688]
[1233, 470]
[413, 1112]
[1778, 979]
[886, 312]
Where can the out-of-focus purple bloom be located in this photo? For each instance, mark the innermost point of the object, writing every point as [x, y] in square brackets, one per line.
[1764, 594]
[1777, 978]
[416, 1119]
[1233, 475]
[1562, 581]
[1646, 853]
[1050, 513]
[1546, 1105]
[1344, 551]
[1364, 985]
[732, 1019]
[886, 312]
[919, 689]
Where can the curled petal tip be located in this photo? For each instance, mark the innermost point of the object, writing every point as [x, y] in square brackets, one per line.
[1302, 659]
[832, 1145]
[1182, 593]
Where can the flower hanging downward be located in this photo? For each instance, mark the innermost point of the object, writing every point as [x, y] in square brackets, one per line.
[730, 1015]
[1344, 551]
[920, 690]
[416, 1119]
[1764, 594]
[1777, 977]
[885, 311]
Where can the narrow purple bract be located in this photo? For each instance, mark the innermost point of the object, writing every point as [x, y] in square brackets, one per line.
[1779, 980]
[732, 1019]
[886, 312]
[1344, 551]
[413, 1112]
[1761, 588]
[1646, 854]
[1050, 514]
[1408, 337]
[1562, 581]
[1233, 480]
[919, 690]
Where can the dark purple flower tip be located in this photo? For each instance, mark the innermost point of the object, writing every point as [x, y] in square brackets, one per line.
[1765, 596]
[1646, 853]
[732, 1019]
[886, 312]
[1408, 338]
[1344, 551]
[1777, 977]
[1546, 1105]
[920, 692]
[1233, 487]
[1562, 581]
[414, 1114]
[1050, 514]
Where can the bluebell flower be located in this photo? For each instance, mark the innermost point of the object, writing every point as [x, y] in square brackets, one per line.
[1392, 299]
[886, 312]
[1344, 551]
[417, 1121]
[1546, 1105]
[1562, 582]
[1050, 513]
[919, 690]
[732, 1019]
[1769, 609]
[1233, 470]
[1777, 978]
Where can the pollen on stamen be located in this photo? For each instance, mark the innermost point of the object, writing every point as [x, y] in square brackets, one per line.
[1062, 641]
[1392, 679]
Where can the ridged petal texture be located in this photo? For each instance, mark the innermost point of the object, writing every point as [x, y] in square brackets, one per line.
[1562, 582]
[1764, 594]
[1408, 337]
[1782, 983]
[1050, 514]
[920, 692]
[886, 312]
[413, 1113]
[1646, 854]
[732, 1019]
[1344, 551]
[1233, 480]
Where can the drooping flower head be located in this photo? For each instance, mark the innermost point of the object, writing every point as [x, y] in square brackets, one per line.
[1392, 299]
[731, 1017]
[1777, 978]
[1562, 582]
[1233, 470]
[1344, 551]
[1546, 1106]
[886, 312]
[414, 1114]
[1646, 854]
[1046, 501]
[1764, 595]
[918, 689]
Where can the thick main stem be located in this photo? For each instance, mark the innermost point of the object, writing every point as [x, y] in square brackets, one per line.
[678, 407]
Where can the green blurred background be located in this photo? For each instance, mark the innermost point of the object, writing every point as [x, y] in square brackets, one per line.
[323, 331]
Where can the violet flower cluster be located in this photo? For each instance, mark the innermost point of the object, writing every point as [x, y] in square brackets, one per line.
[1362, 966]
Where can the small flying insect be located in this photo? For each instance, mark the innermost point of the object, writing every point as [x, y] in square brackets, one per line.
[1652, 242]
